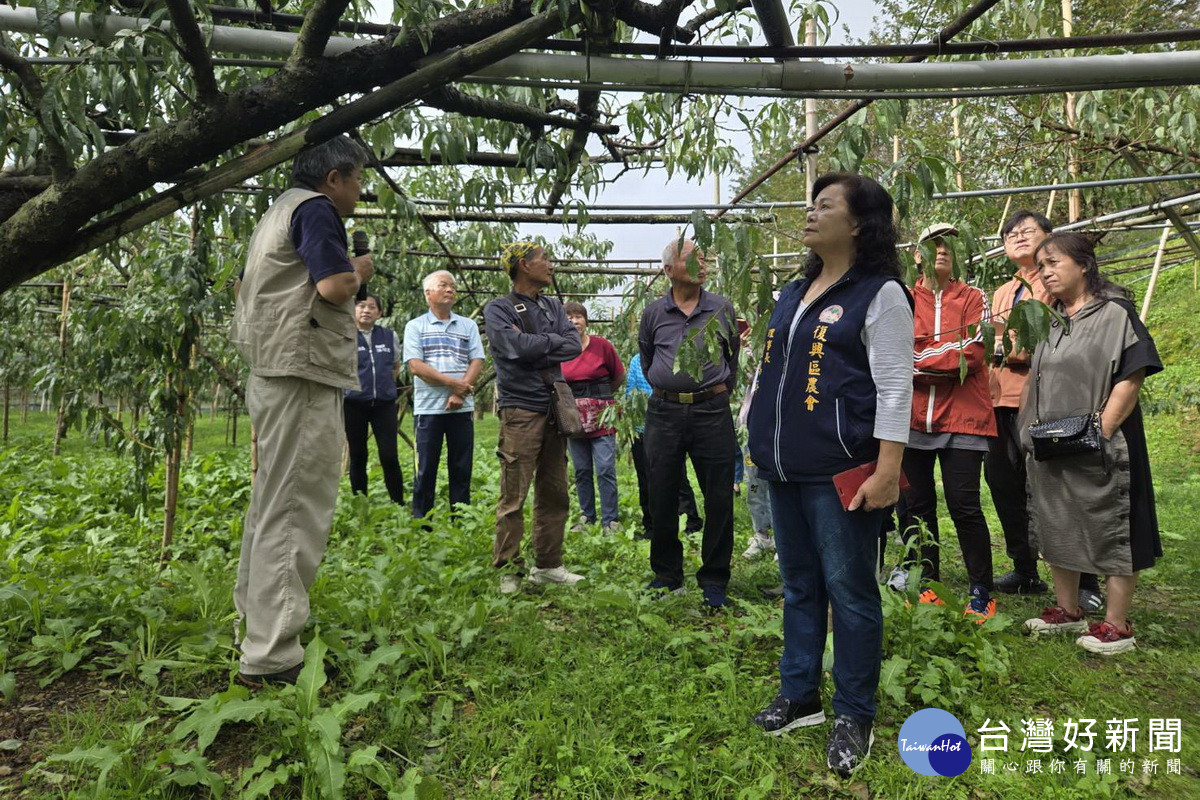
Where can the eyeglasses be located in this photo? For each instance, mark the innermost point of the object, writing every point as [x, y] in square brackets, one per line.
[1023, 233]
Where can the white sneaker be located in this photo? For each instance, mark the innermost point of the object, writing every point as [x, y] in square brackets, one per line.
[581, 525]
[613, 526]
[898, 580]
[758, 546]
[553, 575]
[510, 584]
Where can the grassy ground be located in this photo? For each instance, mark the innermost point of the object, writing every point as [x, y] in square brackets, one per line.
[116, 675]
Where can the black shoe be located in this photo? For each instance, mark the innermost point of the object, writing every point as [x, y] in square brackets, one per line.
[663, 586]
[1090, 600]
[774, 593]
[714, 596]
[849, 745]
[1016, 583]
[643, 536]
[256, 682]
[693, 526]
[783, 715]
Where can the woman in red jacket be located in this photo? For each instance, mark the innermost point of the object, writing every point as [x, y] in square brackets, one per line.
[951, 421]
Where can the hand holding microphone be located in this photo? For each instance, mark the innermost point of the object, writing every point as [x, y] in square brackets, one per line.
[363, 265]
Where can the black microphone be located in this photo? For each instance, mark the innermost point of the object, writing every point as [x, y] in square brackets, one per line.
[362, 246]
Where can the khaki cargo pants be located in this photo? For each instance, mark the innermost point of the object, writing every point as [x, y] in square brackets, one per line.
[300, 440]
[531, 450]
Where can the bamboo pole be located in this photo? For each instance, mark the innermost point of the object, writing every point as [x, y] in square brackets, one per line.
[60, 422]
[810, 119]
[1171, 212]
[955, 114]
[6, 398]
[1158, 259]
[1004, 216]
[24, 404]
[1075, 197]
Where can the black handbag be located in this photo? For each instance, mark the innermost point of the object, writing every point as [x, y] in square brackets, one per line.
[1067, 436]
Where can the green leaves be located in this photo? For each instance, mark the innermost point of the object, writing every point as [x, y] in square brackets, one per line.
[207, 718]
[312, 677]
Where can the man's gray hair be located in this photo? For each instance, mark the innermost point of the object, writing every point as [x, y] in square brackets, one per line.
[310, 166]
[431, 279]
[673, 250]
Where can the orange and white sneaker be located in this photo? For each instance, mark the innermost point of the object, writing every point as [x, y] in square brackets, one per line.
[1107, 639]
[1056, 619]
[930, 596]
[981, 606]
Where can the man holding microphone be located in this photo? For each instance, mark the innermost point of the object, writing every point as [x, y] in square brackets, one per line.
[294, 325]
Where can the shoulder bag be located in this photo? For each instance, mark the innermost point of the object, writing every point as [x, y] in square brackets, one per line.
[1066, 436]
[563, 412]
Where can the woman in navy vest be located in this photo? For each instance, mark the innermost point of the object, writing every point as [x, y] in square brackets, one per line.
[374, 403]
[834, 393]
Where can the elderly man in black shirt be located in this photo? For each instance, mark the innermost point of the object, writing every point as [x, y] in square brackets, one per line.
[690, 417]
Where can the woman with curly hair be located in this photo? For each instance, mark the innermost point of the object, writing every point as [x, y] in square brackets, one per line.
[1091, 511]
[834, 393]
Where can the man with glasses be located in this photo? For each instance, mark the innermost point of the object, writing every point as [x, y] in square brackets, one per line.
[445, 355]
[1004, 465]
[294, 324]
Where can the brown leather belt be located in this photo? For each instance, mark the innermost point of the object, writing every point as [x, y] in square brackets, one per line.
[687, 398]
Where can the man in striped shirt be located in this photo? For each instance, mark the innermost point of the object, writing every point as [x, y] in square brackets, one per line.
[445, 355]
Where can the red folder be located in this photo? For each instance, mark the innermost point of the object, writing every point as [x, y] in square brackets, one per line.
[847, 483]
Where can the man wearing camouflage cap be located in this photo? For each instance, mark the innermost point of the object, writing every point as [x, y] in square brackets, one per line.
[530, 337]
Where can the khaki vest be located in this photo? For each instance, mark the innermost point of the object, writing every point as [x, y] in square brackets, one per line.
[281, 325]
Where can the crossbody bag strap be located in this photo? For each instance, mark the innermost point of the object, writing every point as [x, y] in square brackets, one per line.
[524, 314]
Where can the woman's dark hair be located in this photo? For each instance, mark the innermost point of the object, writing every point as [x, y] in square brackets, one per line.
[875, 246]
[574, 307]
[375, 297]
[1082, 251]
[1020, 216]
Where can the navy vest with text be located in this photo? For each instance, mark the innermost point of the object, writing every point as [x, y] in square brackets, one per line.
[813, 414]
[376, 362]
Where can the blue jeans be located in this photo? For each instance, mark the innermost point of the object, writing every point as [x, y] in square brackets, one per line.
[597, 456]
[827, 558]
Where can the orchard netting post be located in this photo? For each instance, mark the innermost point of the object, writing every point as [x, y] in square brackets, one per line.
[60, 421]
